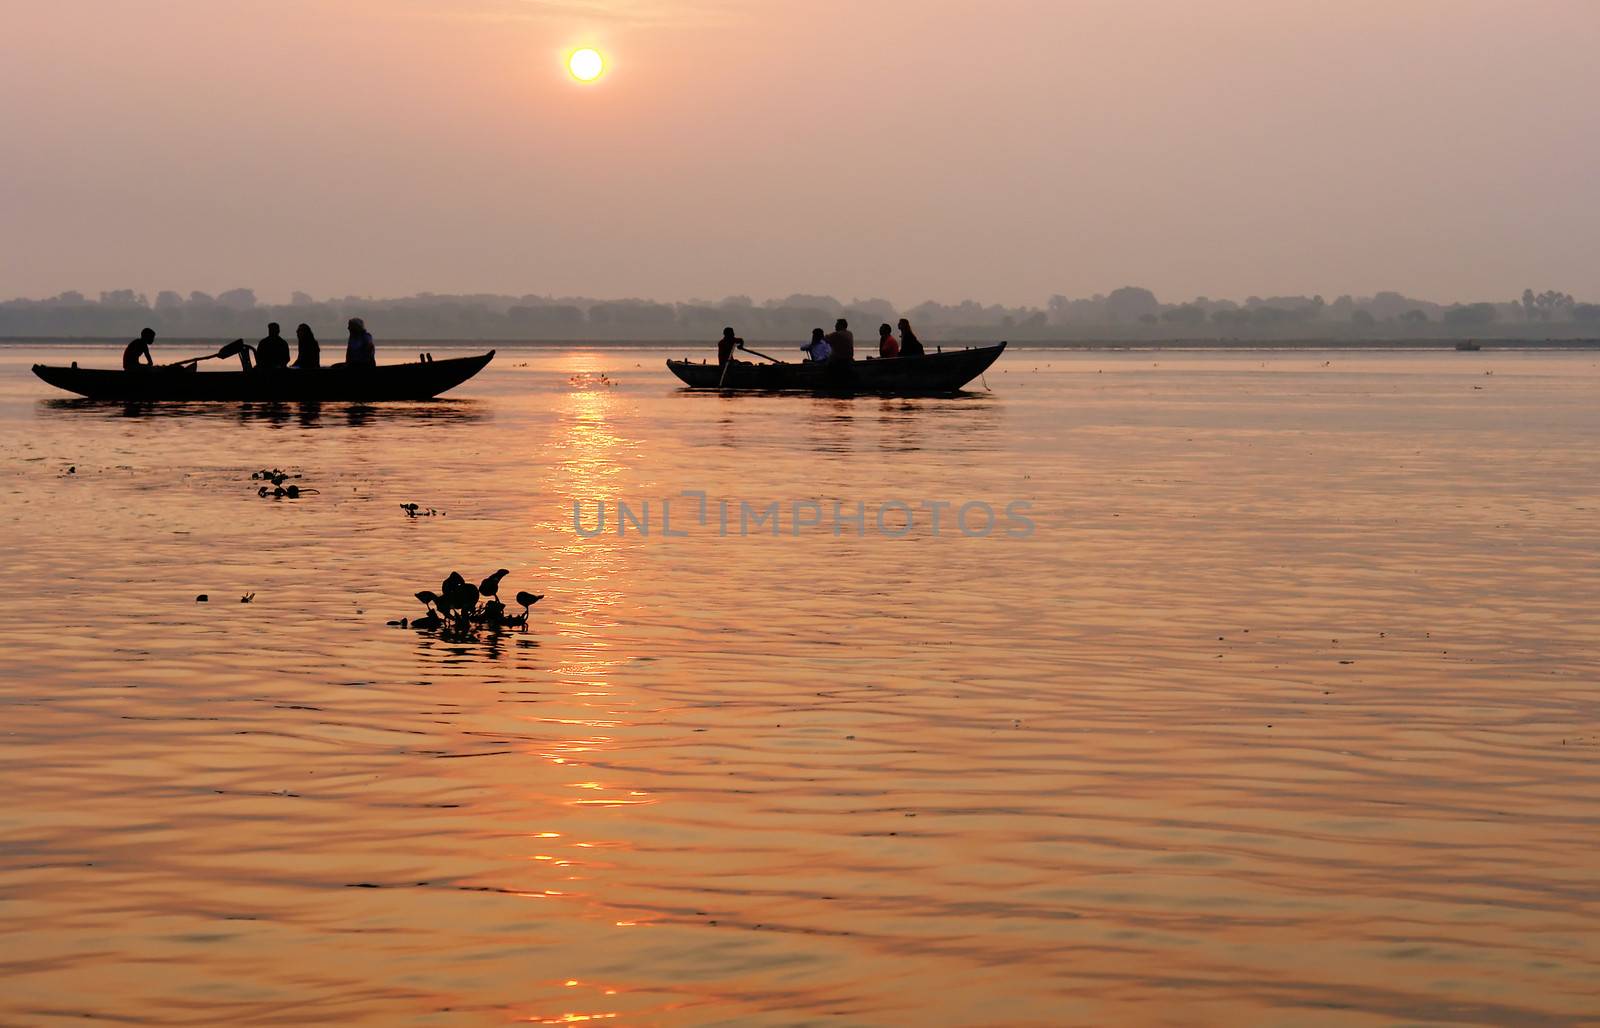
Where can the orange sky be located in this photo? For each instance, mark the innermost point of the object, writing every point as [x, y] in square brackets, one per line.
[1003, 150]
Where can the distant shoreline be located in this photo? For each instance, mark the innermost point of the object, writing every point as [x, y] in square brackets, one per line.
[1353, 345]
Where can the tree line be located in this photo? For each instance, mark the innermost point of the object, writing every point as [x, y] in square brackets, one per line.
[1131, 313]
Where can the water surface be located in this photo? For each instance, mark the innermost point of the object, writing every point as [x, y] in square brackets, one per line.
[1284, 714]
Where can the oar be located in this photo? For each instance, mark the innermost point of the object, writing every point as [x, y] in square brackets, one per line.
[758, 353]
[227, 350]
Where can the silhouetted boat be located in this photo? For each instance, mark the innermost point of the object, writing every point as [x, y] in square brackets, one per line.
[417, 381]
[941, 372]
[1468, 345]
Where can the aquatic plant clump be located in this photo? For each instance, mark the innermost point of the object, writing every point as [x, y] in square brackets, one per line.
[292, 492]
[461, 608]
[277, 490]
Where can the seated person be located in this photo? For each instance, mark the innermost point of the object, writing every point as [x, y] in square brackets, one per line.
[360, 352]
[910, 345]
[818, 349]
[888, 346]
[843, 343]
[139, 348]
[273, 351]
[310, 356]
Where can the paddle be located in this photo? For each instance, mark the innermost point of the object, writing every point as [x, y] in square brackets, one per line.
[227, 350]
[758, 353]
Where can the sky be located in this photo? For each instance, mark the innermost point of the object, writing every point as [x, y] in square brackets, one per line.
[1000, 150]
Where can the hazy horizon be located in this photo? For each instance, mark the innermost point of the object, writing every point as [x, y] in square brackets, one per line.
[1008, 151]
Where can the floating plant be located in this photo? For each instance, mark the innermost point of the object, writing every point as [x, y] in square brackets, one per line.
[461, 608]
[292, 492]
[277, 490]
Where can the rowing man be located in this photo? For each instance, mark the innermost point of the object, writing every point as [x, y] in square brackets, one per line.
[726, 345]
[139, 348]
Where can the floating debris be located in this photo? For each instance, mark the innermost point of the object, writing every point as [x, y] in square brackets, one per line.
[417, 510]
[247, 598]
[202, 598]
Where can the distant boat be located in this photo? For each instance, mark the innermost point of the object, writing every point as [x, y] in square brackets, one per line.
[416, 381]
[1468, 345]
[932, 374]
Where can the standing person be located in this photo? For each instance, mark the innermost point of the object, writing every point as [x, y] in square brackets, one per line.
[309, 355]
[359, 352]
[910, 345]
[140, 347]
[888, 346]
[726, 345]
[841, 370]
[843, 343]
[818, 350]
[273, 351]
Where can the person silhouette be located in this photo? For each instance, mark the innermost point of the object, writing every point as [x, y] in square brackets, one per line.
[841, 370]
[888, 346]
[843, 342]
[273, 351]
[139, 348]
[726, 345]
[360, 352]
[309, 355]
[818, 349]
[910, 345]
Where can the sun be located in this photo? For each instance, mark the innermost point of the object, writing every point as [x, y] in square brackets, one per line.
[586, 65]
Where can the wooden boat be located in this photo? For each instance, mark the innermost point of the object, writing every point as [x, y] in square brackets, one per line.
[935, 373]
[417, 381]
